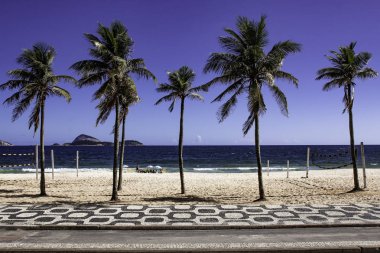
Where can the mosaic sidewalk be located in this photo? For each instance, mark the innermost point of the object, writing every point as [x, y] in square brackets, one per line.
[188, 215]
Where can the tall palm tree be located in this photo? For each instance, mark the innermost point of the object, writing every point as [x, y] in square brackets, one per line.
[246, 68]
[109, 64]
[34, 82]
[347, 66]
[179, 88]
[127, 98]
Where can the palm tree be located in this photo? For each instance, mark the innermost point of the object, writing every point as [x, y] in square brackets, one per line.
[109, 64]
[128, 98]
[347, 66]
[179, 88]
[246, 68]
[34, 82]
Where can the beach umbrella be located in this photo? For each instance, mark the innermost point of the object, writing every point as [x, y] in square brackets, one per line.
[149, 167]
[158, 167]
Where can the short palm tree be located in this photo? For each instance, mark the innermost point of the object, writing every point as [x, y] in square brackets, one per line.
[246, 68]
[179, 88]
[109, 65]
[347, 67]
[34, 82]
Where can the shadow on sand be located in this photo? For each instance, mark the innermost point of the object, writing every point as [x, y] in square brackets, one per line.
[181, 199]
[10, 191]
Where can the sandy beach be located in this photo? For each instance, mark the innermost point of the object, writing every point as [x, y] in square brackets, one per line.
[324, 187]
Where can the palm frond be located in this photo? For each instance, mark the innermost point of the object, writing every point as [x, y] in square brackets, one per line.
[171, 107]
[195, 96]
[13, 84]
[232, 88]
[166, 98]
[89, 66]
[248, 123]
[34, 118]
[61, 92]
[13, 98]
[335, 83]
[21, 105]
[280, 99]
[225, 110]
[367, 73]
[286, 76]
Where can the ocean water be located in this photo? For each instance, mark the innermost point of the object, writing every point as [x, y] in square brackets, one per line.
[237, 159]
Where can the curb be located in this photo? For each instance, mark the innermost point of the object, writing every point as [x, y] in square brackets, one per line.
[175, 227]
[350, 249]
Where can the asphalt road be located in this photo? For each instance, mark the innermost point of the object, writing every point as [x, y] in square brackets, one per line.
[335, 239]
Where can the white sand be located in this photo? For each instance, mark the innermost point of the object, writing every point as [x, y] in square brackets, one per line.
[322, 187]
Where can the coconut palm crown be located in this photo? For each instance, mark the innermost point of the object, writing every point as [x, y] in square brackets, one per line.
[245, 67]
[179, 88]
[34, 82]
[347, 67]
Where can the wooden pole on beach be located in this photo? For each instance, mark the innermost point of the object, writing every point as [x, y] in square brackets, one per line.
[77, 163]
[267, 167]
[307, 162]
[52, 163]
[287, 169]
[36, 161]
[363, 164]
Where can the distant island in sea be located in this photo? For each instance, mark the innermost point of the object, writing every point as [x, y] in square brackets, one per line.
[85, 140]
[5, 143]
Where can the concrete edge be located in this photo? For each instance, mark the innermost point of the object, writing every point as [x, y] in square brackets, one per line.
[176, 227]
[348, 249]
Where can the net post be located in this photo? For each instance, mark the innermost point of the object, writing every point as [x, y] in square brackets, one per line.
[287, 169]
[267, 167]
[77, 163]
[52, 163]
[36, 160]
[363, 164]
[307, 162]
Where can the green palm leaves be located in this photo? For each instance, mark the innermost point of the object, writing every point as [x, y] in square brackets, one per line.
[111, 66]
[34, 82]
[347, 67]
[179, 88]
[245, 67]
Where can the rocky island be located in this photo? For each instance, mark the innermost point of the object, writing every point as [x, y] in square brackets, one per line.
[87, 140]
[5, 143]
[133, 143]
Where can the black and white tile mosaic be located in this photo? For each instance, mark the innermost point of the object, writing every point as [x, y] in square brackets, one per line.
[188, 215]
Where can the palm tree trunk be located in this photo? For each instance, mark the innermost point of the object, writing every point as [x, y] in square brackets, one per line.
[42, 151]
[121, 163]
[352, 141]
[258, 159]
[115, 153]
[180, 147]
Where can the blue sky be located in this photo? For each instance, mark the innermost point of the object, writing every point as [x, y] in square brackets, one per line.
[169, 34]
